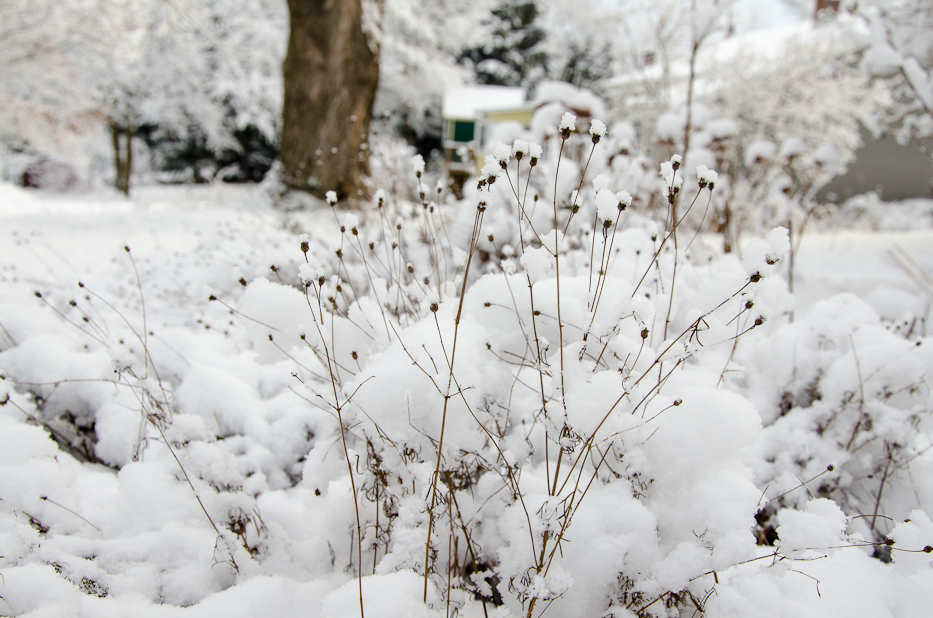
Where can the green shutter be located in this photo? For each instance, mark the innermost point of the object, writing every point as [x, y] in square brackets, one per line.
[463, 131]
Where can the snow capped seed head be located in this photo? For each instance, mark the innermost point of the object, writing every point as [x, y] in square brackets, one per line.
[671, 179]
[535, 151]
[238, 276]
[490, 169]
[309, 274]
[625, 199]
[439, 187]
[707, 177]
[305, 241]
[601, 182]
[380, 197]
[597, 130]
[417, 165]
[567, 125]
[502, 152]
[519, 148]
[331, 197]
[676, 161]
[422, 189]
[606, 205]
[350, 221]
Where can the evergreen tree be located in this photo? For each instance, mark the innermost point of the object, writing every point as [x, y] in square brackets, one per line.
[514, 55]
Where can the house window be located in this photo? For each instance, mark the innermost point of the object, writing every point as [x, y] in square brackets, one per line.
[462, 131]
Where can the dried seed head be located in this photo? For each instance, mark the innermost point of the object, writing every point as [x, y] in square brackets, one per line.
[411, 268]
[72, 303]
[607, 224]
[491, 238]
[434, 307]
[320, 280]
[755, 278]
[678, 401]
[242, 281]
[354, 355]
[644, 333]
[339, 253]
[343, 229]
[372, 246]
[38, 294]
[749, 304]
[927, 549]
[759, 320]
[427, 280]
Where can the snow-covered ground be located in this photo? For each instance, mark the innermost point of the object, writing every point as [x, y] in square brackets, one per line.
[110, 525]
[47, 237]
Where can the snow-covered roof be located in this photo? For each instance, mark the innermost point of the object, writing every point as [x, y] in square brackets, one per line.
[467, 103]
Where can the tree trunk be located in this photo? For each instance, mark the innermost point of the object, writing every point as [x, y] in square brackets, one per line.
[331, 72]
[122, 156]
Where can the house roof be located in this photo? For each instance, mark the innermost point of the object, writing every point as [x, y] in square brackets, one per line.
[467, 103]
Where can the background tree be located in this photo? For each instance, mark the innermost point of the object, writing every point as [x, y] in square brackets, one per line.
[331, 72]
[514, 54]
[422, 43]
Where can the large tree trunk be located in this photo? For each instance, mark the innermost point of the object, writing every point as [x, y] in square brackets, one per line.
[331, 72]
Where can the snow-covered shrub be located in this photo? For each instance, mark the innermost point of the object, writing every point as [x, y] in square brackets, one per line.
[841, 401]
[570, 393]
[394, 414]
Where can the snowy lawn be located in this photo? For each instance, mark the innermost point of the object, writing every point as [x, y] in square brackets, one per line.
[198, 467]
